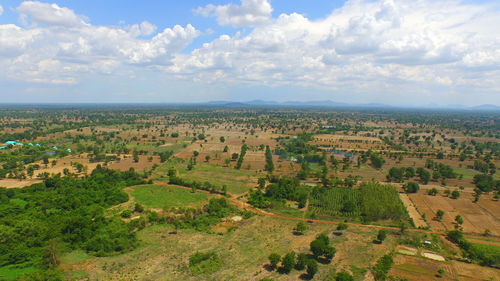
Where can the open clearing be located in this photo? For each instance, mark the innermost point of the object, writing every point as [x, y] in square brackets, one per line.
[244, 252]
[161, 196]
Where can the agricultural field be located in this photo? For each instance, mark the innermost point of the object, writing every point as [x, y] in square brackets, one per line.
[160, 196]
[216, 193]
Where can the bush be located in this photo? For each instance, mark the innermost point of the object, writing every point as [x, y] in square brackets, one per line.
[204, 263]
[126, 214]
[344, 276]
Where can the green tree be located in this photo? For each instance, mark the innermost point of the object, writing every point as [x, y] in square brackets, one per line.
[301, 261]
[455, 194]
[288, 262]
[312, 268]
[382, 234]
[411, 187]
[274, 259]
[439, 215]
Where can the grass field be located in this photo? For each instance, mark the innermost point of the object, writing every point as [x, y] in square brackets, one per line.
[237, 181]
[158, 196]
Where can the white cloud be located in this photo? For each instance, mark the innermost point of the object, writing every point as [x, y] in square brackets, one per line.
[249, 13]
[1, 10]
[65, 47]
[49, 14]
[144, 28]
[364, 45]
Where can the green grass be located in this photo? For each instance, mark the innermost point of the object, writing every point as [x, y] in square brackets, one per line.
[237, 181]
[74, 257]
[204, 263]
[11, 272]
[157, 196]
[467, 173]
[358, 272]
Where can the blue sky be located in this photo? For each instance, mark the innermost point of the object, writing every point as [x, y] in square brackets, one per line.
[398, 52]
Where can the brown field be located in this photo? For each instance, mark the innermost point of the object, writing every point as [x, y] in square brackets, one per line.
[477, 216]
[418, 268]
[412, 211]
[13, 183]
[127, 162]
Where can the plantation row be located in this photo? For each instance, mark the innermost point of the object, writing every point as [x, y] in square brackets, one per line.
[373, 201]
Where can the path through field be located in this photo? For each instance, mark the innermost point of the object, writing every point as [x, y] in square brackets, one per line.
[232, 199]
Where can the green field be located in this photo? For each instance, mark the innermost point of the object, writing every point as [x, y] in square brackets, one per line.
[237, 181]
[158, 196]
[491, 252]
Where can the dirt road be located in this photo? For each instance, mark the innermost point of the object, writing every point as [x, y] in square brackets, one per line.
[243, 205]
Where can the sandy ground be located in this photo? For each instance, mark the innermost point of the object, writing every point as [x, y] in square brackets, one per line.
[412, 211]
[12, 183]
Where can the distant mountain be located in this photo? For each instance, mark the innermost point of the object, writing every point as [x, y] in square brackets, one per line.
[326, 103]
[485, 107]
[329, 103]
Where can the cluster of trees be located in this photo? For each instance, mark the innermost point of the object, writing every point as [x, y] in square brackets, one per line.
[396, 174]
[485, 167]
[269, 160]
[321, 251]
[289, 189]
[440, 171]
[486, 183]
[298, 145]
[382, 267]
[36, 220]
[376, 160]
[244, 149]
[486, 256]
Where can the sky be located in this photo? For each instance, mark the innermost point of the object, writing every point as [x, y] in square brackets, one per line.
[397, 52]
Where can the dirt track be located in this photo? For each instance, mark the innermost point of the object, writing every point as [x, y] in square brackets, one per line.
[243, 205]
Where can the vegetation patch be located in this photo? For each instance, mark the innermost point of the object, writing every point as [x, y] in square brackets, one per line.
[204, 263]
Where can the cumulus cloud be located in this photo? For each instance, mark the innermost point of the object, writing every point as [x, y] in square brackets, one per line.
[64, 46]
[249, 13]
[378, 44]
[390, 46]
[49, 14]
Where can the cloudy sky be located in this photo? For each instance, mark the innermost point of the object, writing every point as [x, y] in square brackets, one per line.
[400, 52]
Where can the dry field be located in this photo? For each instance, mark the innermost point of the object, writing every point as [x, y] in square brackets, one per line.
[477, 216]
[127, 162]
[13, 183]
[418, 268]
[244, 252]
